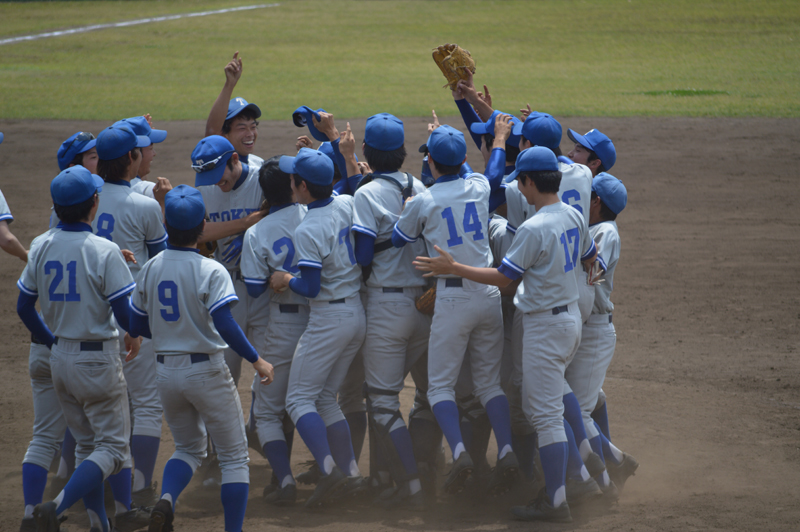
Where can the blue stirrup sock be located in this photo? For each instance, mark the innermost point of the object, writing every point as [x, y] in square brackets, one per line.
[500, 418]
[96, 508]
[572, 413]
[446, 413]
[34, 480]
[121, 487]
[177, 475]
[341, 444]
[600, 417]
[554, 464]
[87, 477]
[234, 502]
[315, 435]
[405, 449]
[277, 452]
[144, 451]
[575, 466]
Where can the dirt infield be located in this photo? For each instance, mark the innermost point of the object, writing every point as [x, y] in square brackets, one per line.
[705, 386]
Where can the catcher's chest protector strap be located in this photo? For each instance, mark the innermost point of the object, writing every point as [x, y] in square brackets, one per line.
[407, 193]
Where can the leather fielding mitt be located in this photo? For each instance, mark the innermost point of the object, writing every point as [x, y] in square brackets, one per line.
[426, 302]
[453, 62]
[207, 249]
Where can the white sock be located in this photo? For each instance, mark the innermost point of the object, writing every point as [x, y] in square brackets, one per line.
[458, 450]
[119, 508]
[58, 499]
[605, 480]
[62, 469]
[585, 449]
[28, 511]
[138, 480]
[327, 465]
[414, 486]
[618, 456]
[503, 452]
[168, 497]
[94, 520]
[560, 497]
[287, 480]
[585, 473]
[354, 472]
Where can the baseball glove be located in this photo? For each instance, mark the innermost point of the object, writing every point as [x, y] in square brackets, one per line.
[453, 62]
[207, 249]
[427, 301]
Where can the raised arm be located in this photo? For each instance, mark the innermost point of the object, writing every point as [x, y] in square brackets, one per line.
[216, 118]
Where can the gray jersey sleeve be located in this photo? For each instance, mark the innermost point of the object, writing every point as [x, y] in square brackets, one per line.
[218, 290]
[153, 227]
[117, 279]
[606, 237]
[365, 219]
[412, 219]
[254, 267]
[310, 252]
[5, 212]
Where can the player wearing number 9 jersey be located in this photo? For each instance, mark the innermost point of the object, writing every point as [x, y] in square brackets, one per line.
[183, 301]
[268, 247]
[331, 279]
[132, 221]
[454, 215]
[81, 279]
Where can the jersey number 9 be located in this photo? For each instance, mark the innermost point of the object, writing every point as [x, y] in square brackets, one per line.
[168, 296]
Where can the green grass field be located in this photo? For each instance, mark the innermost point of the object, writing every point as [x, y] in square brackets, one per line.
[566, 57]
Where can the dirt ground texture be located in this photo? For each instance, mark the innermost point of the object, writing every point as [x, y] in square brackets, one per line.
[704, 388]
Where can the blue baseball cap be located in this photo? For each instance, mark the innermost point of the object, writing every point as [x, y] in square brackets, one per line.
[481, 128]
[447, 146]
[140, 126]
[237, 105]
[312, 165]
[534, 159]
[599, 143]
[209, 159]
[80, 142]
[611, 191]
[184, 208]
[540, 129]
[117, 140]
[384, 132]
[74, 185]
[302, 117]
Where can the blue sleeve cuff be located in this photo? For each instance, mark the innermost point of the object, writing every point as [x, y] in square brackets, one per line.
[510, 270]
[140, 323]
[470, 117]
[589, 252]
[155, 248]
[122, 312]
[309, 282]
[404, 237]
[365, 247]
[26, 308]
[121, 292]
[232, 333]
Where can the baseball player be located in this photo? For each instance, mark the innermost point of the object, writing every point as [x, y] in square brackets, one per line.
[78, 149]
[397, 334]
[330, 278]
[587, 370]
[132, 221]
[545, 250]
[182, 300]
[8, 242]
[235, 118]
[270, 246]
[83, 279]
[142, 126]
[467, 316]
[594, 150]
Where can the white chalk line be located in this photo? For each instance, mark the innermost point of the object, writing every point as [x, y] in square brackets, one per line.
[124, 24]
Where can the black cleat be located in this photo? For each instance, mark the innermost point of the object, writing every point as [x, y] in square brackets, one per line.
[594, 465]
[327, 487]
[45, 516]
[620, 473]
[285, 496]
[581, 491]
[161, 517]
[504, 475]
[462, 469]
[310, 476]
[541, 510]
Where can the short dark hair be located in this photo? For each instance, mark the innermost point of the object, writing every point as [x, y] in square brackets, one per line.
[511, 151]
[274, 183]
[605, 212]
[593, 157]
[317, 191]
[115, 169]
[557, 150]
[247, 114]
[183, 237]
[77, 160]
[445, 169]
[385, 161]
[545, 181]
[71, 214]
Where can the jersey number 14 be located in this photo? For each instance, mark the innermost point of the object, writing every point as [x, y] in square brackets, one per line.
[471, 223]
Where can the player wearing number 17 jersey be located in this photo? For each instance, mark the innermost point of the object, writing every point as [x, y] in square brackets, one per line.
[454, 215]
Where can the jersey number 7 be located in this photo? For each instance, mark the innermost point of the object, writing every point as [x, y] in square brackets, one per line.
[572, 236]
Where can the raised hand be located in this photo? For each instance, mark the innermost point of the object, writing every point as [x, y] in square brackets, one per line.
[435, 124]
[325, 125]
[303, 142]
[233, 70]
[485, 96]
[525, 113]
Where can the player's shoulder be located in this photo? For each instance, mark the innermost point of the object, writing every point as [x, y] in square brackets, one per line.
[575, 170]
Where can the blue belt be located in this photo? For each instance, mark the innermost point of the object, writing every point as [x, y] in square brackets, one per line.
[559, 310]
[196, 357]
[609, 319]
[336, 301]
[451, 283]
[388, 290]
[289, 309]
[87, 346]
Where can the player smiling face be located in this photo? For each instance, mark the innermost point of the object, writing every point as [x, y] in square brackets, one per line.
[580, 154]
[233, 171]
[243, 134]
[148, 154]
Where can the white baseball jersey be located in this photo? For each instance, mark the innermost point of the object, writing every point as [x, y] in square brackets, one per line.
[254, 161]
[500, 238]
[546, 250]
[178, 290]
[269, 246]
[575, 190]
[5, 212]
[453, 214]
[226, 206]
[323, 240]
[76, 275]
[606, 237]
[377, 208]
[130, 220]
[143, 187]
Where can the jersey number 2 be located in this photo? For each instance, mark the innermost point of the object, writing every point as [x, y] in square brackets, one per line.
[572, 236]
[168, 296]
[471, 223]
[72, 280]
[287, 243]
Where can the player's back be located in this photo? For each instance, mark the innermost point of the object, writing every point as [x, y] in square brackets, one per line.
[550, 245]
[75, 274]
[179, 289]
[455, 216]
[130, 220]
[273, 249]
[325, 235]
[576, 187]
[606, 237]
[377, 208]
